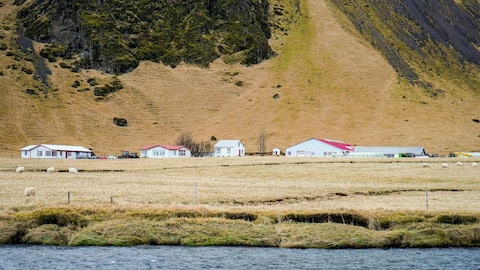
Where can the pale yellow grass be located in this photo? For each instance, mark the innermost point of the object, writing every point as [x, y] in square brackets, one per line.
[256, 183]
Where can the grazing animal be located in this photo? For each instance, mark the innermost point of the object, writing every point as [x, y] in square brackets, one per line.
[72, 170]
[425, 165]
[50, 169]
[474, 164]
[459, 163]
[29, 191]
[20, 169]
[444, 165]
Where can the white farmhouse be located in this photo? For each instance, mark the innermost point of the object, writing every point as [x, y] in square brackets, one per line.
[229, 148]
[319, 148]
[165, 151]
[55, 151]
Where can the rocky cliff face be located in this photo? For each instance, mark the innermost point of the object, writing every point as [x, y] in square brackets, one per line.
[115, 35]
[418, 36]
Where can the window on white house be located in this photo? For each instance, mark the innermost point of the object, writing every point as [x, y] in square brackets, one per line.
[182, 152]
[48, 153]
[229, 151]
[54, 153]
[161, 153]
[25, 153]
[217, 150]
[39, 153]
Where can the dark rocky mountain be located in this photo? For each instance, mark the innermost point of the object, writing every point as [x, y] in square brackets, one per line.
[425, 34]
[115, 35]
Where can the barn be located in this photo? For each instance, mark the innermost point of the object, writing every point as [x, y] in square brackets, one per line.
[389, 151]
[229, 148]
[165, 151]
[55, 151]
[319, 148]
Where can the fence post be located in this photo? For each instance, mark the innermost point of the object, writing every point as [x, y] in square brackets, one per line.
[426, 197]
[195, 189]
[68, 197]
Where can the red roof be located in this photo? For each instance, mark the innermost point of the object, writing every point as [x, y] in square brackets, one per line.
[338, 144]
[168, 147]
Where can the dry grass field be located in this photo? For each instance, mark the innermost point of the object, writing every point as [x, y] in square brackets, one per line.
[247, 184]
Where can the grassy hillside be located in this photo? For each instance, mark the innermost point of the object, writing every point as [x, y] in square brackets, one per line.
[326, 80]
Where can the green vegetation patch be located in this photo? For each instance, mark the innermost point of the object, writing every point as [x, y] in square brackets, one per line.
[115, 35]
[48, 234]
[199, 227]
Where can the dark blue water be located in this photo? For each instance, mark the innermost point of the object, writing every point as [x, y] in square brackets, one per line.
[176, 257]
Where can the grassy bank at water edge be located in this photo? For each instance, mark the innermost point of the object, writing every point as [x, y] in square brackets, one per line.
[201, 227]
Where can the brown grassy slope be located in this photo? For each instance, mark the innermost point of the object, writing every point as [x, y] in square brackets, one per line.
[331, 84]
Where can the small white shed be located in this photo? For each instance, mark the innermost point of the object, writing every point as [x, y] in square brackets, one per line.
[55, 151]
[276, 152]
[229, 148]
[165, 151]
[319, 148]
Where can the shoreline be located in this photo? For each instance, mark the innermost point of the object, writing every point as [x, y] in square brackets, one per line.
[82, 226]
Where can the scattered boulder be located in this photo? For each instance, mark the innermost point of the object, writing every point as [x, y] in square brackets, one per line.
[30, 91]
[121, 122]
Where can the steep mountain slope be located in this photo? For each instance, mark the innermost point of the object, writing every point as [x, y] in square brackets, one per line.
[326, 80]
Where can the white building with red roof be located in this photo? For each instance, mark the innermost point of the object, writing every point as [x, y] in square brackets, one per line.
[319, 148]
[165, 151]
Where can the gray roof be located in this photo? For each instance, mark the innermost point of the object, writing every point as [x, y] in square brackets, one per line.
[228, 143]
[57, 147]
[392, 150]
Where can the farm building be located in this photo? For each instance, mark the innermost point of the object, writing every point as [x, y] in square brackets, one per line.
[276, 152]
[165, 151]
[55, 151]
[319, 148]
[229, 148]
[388, 151]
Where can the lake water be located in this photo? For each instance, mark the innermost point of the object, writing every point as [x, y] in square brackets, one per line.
[177, 257]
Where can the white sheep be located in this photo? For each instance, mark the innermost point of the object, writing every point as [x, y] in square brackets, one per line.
[459, 163]
[20, 169]
[51, 169]
[72, 170]
[444, 165]
[29, 191]
[474, 164]
[425, 165]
